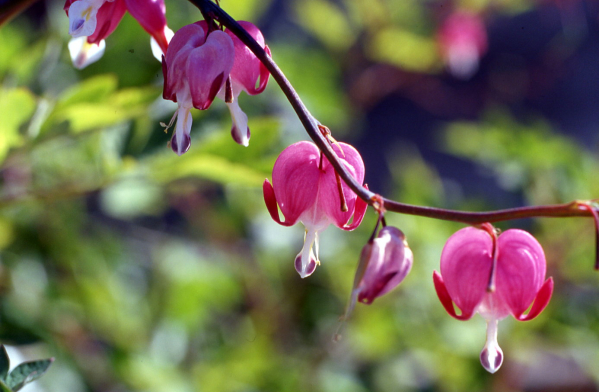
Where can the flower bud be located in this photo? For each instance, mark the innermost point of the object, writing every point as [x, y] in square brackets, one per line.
[389, 262]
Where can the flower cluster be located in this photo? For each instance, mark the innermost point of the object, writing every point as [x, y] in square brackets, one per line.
[200, 65]
[91, 21]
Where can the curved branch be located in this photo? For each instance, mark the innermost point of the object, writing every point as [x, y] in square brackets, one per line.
[574, 209]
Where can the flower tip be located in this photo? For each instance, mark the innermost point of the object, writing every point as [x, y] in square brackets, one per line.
[241, 138]
[305, 269]
[491, 358]
[184, 146]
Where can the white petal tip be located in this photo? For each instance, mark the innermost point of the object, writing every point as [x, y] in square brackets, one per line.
[83, 53]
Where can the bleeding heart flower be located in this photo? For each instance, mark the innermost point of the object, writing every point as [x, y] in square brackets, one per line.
[306, 189]
[495, 278]
[249, 75]
[195, 68]
[91, 21]
[462, 41]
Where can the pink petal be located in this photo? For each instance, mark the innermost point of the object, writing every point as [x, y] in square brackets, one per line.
[174, 68]
[466, 263]
[445, 298]
[541, 301]
[151, 16]
[109, 17]
[295, 178]
[520, 269]
[207, 68]
[271, 204]
[248, 70]
[329, 201]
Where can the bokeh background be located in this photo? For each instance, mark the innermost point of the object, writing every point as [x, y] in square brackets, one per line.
[139, 270]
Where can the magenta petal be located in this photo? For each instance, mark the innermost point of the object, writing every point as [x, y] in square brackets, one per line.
[520, 269]
[445, 298]
[271, 203]
[151, 16]
[466, 263]
[109, 16]
[208, 67]
[360, 210]
[248, 70]
[175, 63]
[295, 179]
[329, 198]
[541, 301]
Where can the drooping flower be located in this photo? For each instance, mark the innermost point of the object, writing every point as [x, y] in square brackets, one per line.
[249, 75]
[306, 189]
[493, 278]
[388, 260]
[195, 68]
[91, 21]
[462, 41]
[385, 261]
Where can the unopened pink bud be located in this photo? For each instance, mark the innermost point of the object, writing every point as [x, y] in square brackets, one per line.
[389, 262]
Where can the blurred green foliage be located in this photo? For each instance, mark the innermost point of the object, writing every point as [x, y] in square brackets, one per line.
[143, 271]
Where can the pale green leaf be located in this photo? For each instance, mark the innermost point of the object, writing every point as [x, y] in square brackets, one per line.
[16, 106]
[327, 22]
[85, 117]
[209, 167]
[405, 49]
[92, 90]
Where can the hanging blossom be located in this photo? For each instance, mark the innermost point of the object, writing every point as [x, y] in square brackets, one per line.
[249, 75]
[495, 277]
[307, 189]
[462, 41]
[385, 261]
[197, 67]
[91, 21]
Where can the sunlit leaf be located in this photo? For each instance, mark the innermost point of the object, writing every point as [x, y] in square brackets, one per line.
[16, 106]
[209, 167]
[404, 49]
[92, 90]
[328, 22]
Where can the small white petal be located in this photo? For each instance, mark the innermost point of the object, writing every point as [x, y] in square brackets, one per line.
[84, 53]
[82, 17]
[491, 357]
[239, 130]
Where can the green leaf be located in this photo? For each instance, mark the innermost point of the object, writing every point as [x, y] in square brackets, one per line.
[4, 363]
[86, 116]
[4, 387]
[17, 106]
[93, 90]
[27, 372]
[405, 49]
[328, 22]
[209, 167]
